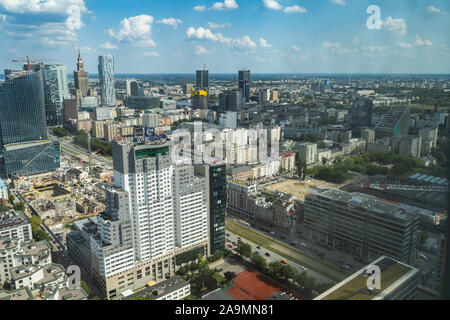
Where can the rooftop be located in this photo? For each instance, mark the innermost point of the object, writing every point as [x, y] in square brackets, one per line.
[393, 274]
[162, 289]
[12, 218]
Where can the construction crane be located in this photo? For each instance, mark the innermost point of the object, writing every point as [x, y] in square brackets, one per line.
[29, 61]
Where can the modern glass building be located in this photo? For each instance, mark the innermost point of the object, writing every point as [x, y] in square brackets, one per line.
[106, 75]
[55, 90]
[244, 84]
[22, 109]
[24, 149]
[216, 193]
[30, 158]
[202, 79]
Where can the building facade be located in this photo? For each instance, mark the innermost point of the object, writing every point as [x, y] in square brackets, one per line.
[106, 75]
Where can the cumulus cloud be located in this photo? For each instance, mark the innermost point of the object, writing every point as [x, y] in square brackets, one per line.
[422, 43]
[433, 9]
[174, 23]
[199, 50]
[206, 34]
[212, 25]
[395, 25]
[294, 9]
[108, 46]
[226, 5]
[200, 8]
[136, 30]
[244, 42]
[339, 2]
[62, 17]
[296, 48]
[263, 43]
[272, 5]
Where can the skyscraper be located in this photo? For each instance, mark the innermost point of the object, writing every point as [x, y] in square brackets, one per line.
[55, 90]
[216, 195]
[22, 108]
[362, 112]
[106, 75]
[24, 148]
[155, 221]
[203, 79]
[244, 84]
[81, 77]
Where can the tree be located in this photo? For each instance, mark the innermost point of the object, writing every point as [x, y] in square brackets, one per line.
[19, 207]
[288, 272]
[230, 276]
[259, 261]
[324, 161]
[321, 145]
[276, 269]
[244, 249]
[300, 279]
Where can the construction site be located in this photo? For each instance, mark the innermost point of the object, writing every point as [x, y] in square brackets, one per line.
[75, 191]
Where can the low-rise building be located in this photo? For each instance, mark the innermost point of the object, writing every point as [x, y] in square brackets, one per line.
[175, 288]
[398, 281]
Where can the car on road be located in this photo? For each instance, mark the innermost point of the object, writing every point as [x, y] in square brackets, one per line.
[294, 243]
[258, 247]
[345, 267]
[256, 252]
[228, 234]
[303, 268]
[267, 254]
[284, 261]
[233, 243]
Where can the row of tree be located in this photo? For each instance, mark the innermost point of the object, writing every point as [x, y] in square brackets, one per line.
[281, 272]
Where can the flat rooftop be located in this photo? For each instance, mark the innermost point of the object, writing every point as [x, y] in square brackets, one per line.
[12, 218]
[162, 289]
[393, 274]
[364, 201]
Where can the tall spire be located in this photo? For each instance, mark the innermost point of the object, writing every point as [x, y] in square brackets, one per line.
[79, 55]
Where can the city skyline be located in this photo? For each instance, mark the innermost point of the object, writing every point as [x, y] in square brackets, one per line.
[231, 35]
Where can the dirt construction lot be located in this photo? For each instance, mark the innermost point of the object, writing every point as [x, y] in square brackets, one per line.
[298, 188]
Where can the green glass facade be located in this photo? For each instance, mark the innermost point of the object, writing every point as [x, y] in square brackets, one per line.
[22, 109]
[218, 206]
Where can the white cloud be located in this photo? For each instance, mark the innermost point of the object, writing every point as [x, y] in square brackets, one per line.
[433, 9]
[199, 50]
[339, 2]
[294, 9]
[263, 43]
[206, 34]
[151, 54]
[272, 5]
[296, 48]
[137, 30]
[171, 22]
[212, 25]
[226, 5]
[422, 43]
[404, 45]
[108, 46]
[200, 8]
[395, 25]
[44, 17]
[374, 49]
[244, 42]
[336, 48]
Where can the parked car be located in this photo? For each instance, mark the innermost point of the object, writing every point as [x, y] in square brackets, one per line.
[267, 254]
[345, 267]
[258, 247]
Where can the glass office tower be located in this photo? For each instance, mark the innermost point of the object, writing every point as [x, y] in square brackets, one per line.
[106, 75]
[24, 148]
[22, 109]
[244, 84]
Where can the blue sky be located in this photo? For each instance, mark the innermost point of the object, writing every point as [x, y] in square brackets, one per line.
[266, 36]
